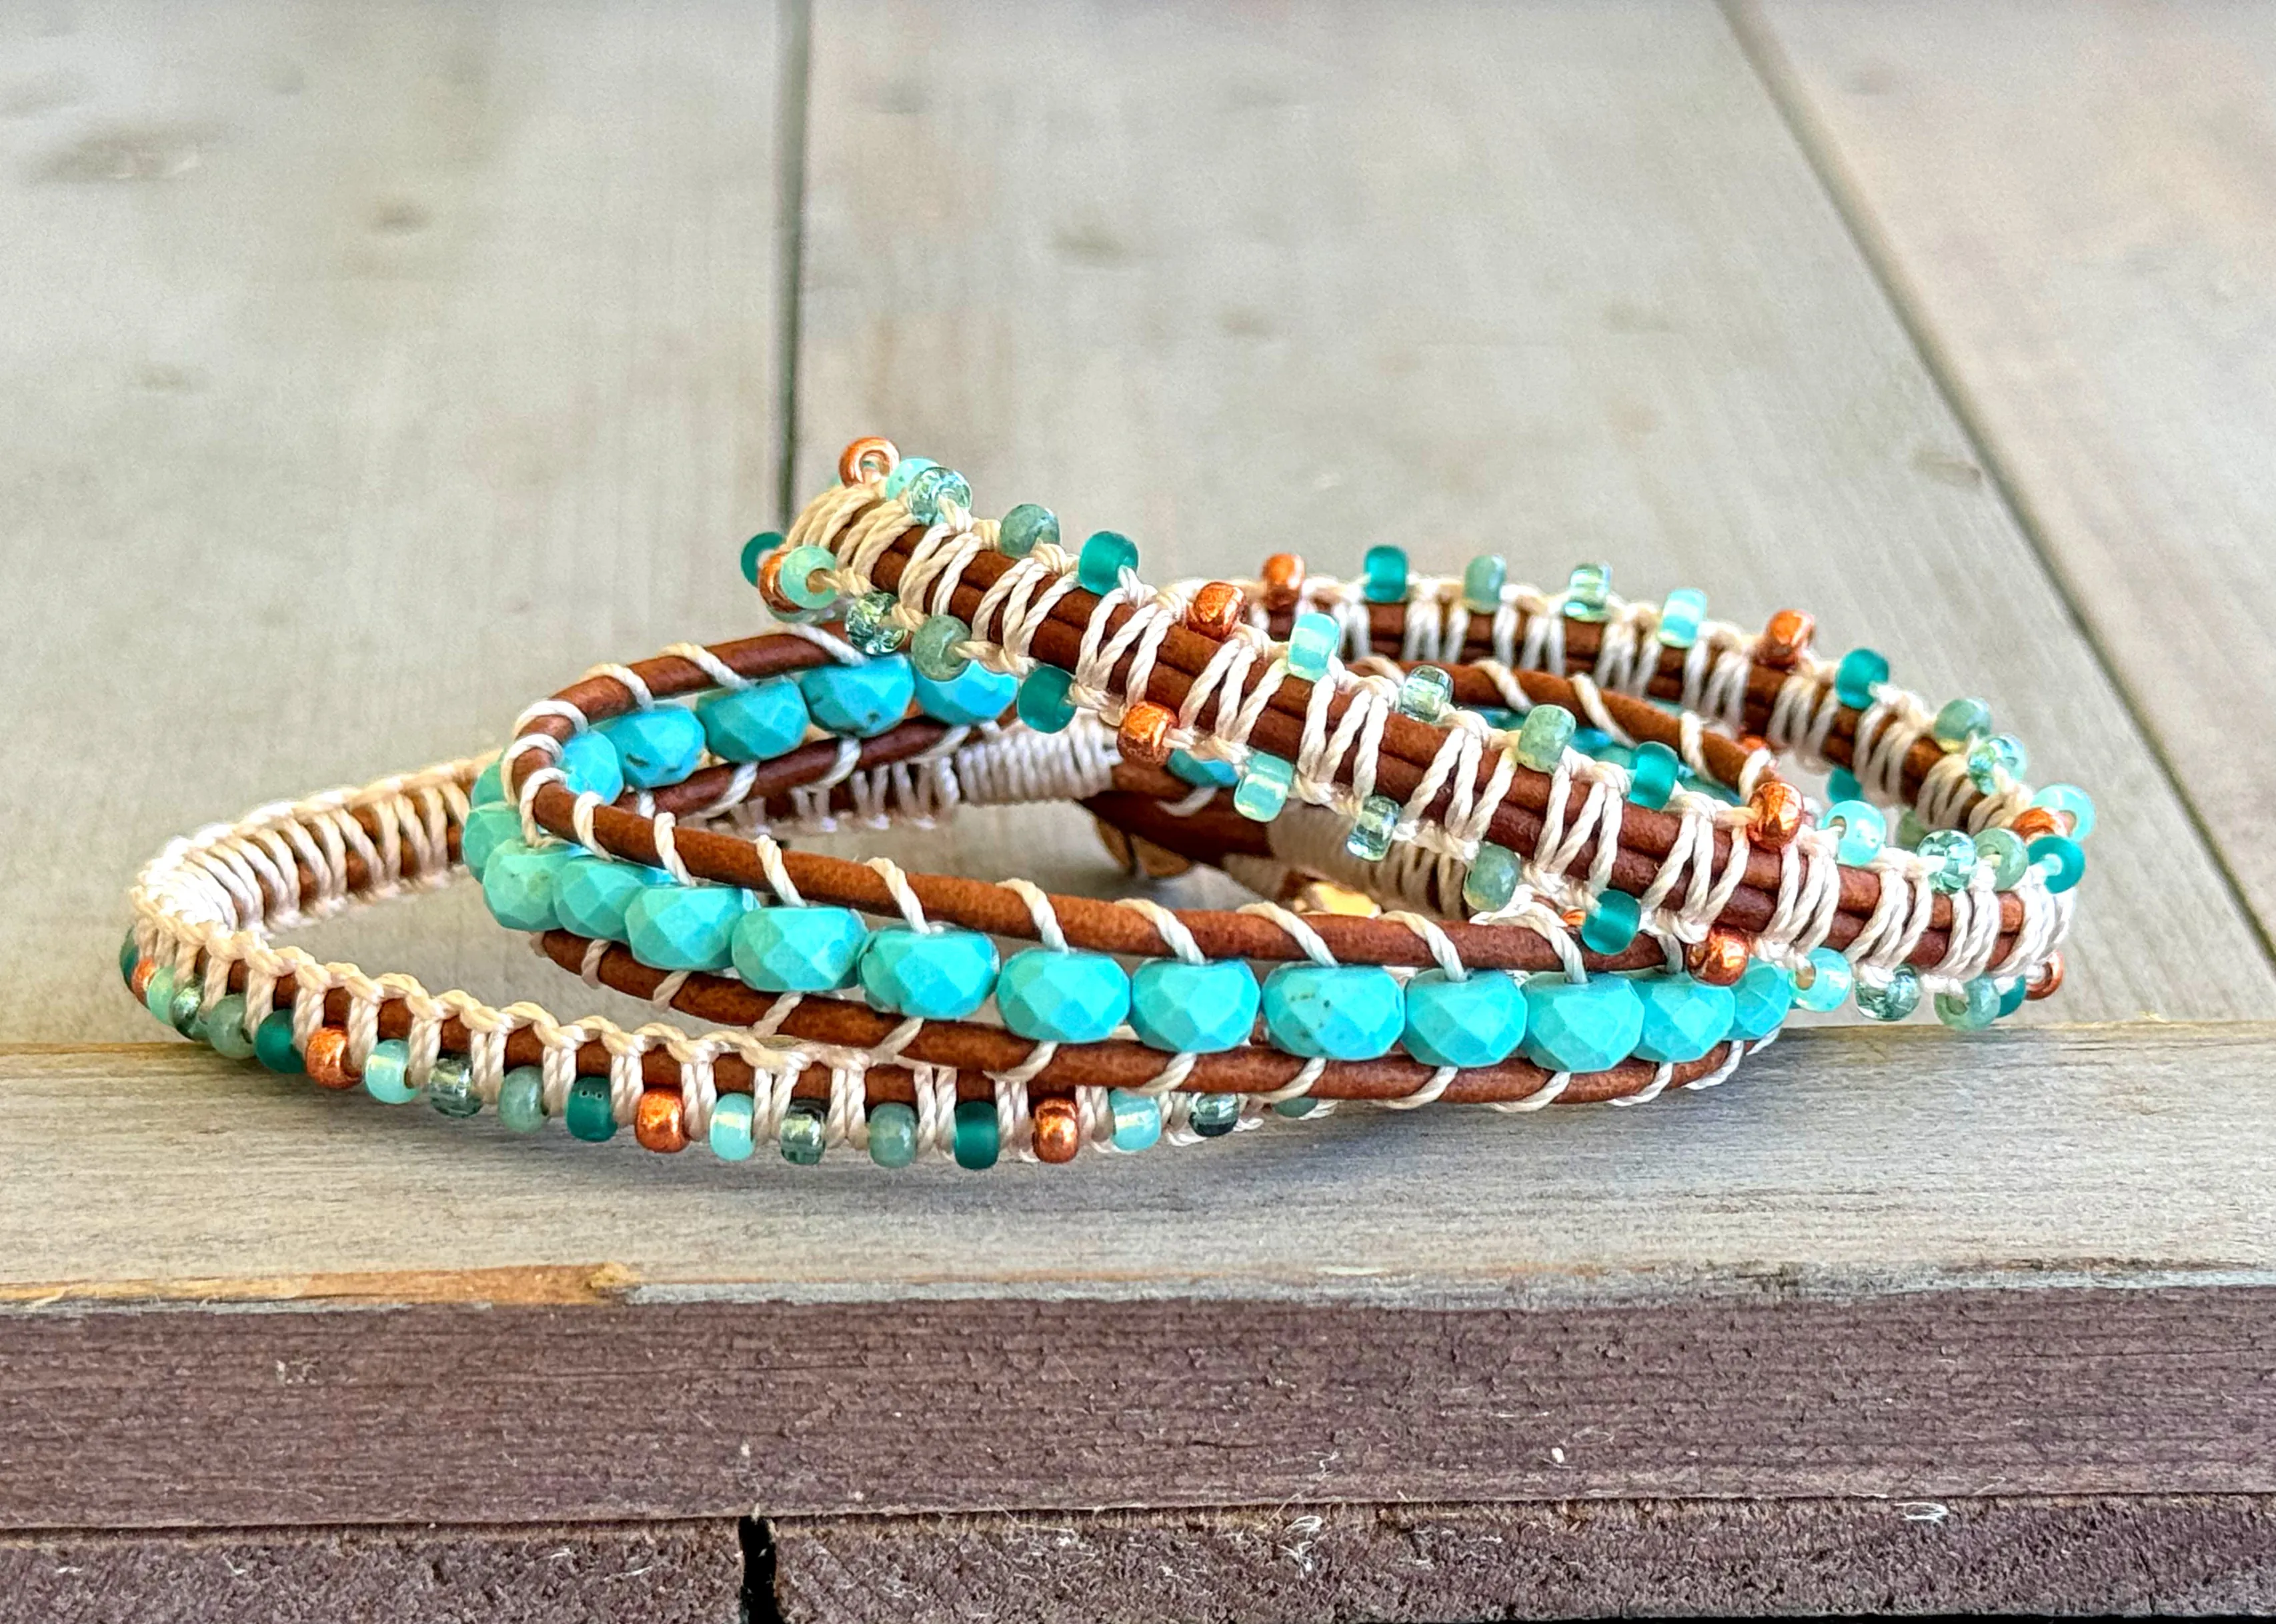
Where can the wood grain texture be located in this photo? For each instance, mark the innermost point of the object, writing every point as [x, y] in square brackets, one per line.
[1550, 280]
[2171, 1554]
[2075, 200]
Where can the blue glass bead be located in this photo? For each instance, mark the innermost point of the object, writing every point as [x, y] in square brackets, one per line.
[591, 893]
[1953, 853]
[1760, 1001]
[756, 549]
[1652, 779]
[2003, 849]
[1962, 722]
[1062, 997]
[892, 1134]
[729, 1135]
[1975, 1007]
[489, 786]
[522, 1099]
[1192, 1009]
[1044, 700]
[1863, 831]
[975, 695]
[804, 577]
[937, 651]
[1492, 879]
[872, 624]
[904, 470]
[858, 701]
[978, 1138]
[2072, 799]
[798, 949]
[685, 927]
[1991, 760]
[1680, 617]
[1024, 528]
[519, 884]
[1588, 1025]
[1371, 831]
[929, 494]
[225, 1028]
[1341, 1011]
[2060, 859]
[1137, 1118]
[1312, 642]
[1892, 999]
[1426, 693]
[485, 830]
[1542, 742]
[1104, 556]
[1213, 1115]
[589, 766]
[2012, 996]
[1842, 785]
[1481, 583]
[1384, 569]
[386, 1073]
[1588, 591]
[1860, 671]
[804, 1134]
[936, 975]
[756, 723]
[656, 747]
[1827, 985]
[1478, 1021]
[1263, 789]
[1612, 921]
[450, 1087]
[1203, 769]
[273, 1046]
[589, 1113]
[1683, 1018]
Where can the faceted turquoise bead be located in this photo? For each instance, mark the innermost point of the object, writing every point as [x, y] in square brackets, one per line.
[485, 830]
[1652, 779]
[805, 1132]
[1024, 528]
[1137, 1118]
[1371, 831]
[978, 1138]
[589, 1114]
[1203, 769]
[489, 785]
[756, 723]
[1680, 617]
[1263, 789]
[858, 701]
[937, 651]
[450, 1087]
[1991, 759]
[2003, 849]
[1542, 742]
[225, 1028]
[1213, 1115]
[1863, 831]
[685, 927]
[1588, 591]
[1062, 996]
[1481, 583]
[892, 1134]
[804, 577]
[939, 976]
[1478, 1021]
[873, 625]
[1492, 879]
[1426, 693]
[904, 470]
[756, 550]
[1683, 1018]
[273, 1046]
[590, 894]
[1830, 978]
[1860, 671]
[729, 1135]
[975, 695]
[522, 1099]
[518, 883]
[1384, 569]
[1104, 556]
[1975, 1007]
[1892, 999]
[798, 949]
[1612, 921]
[1954, 851]
[1192, 1009]
[1339, 1011]
[1760, 1001]
[1312, 642]
[1962, 722]
[1045, 700]
[1588, 1025]
[2060, 859]
[386, 1073]
[656, 747]
[589, 766]
[2072, 799]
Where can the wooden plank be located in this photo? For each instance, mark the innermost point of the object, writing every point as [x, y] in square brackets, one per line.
[1554, 280]
[2074, 200]
[364, 374]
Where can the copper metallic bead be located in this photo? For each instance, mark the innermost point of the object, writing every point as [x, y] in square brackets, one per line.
[139, 982]
[1058, 1131]
[770, 581]
[1216, 609]
[326, 1057]
[659, 1123]
[1784, 638]
[1158, 862]
[1775, 815]
[1117, 843]
[2048, 982]
[872, 456]
[2032, 822]
[1719, 958]
[1284, 580]
[1144, 735]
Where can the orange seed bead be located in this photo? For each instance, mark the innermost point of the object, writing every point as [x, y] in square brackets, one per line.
[659, 1123]
[326, 1057]
[1216, 609]
[1058, 1131]
[1284, 580]
[2032, 822]
[139, 982]
[1782, 641]
[1144, 736]
[1775, 815]
[1719, 958]
[872, 456]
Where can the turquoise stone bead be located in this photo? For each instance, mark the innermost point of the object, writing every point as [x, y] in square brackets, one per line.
[1612, 921]
[1577, 1026]
[1371, 832]
[1680, 617]
[1137, 1118]
[1062, 996]
[975, 695]
[1478, 1021]
[2012, 996]
[1024, 528]
[2003, 849]
[798, 949]
[756, 550]
[1104, 556]
[656, 747]
[1962, 722]
[1426, 693]
[1209, 770]
[1842, 785]
[939, 975]
[1760, 1001]
[1827, 985]
[450, 1087]
[2072, 799]
[904, 470]
[804, 577]
[589, 766]
[1492, 879]
[225, 1027]
[1384, 569]
[1192, 1009]
[489, 785]
[1892, 999]
[978, 1139]
[1483, 579]
[590, 894]
[1954, 852]
[1312, 641]
[1045, 698]
[1542, 742]
[1588, 591]
[892, 1134]
[1991, 760]
[928, 495]
[1339, 1011]
[685, 927]
[518, 883]
[386, 1073]
[805, 1132]
[485, 830]
[1860, 671]
[858, 701]
[1975, 1007]
[1863, 831]
[273, 1046]
[589, 1114]
[2060, 859]
[158, 994]
[937, 651]
[1652, 779]
[1683, 1018]
[756, 723]
[729, 1135]
[522, 1099]
[1213, 1115]
[871, 625]
[1263, 789]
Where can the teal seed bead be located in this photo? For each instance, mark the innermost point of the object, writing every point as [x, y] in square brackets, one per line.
[685, 927]
[936, 975]
[1043, 700]
[656, 747]
[2003, 849]
[1616, 755]
[1962, 722]
[590, 895]
[518, 883]
[892, 1134]
[975, 695]
[1577, 1026]
[1892, 999]
[128, 958]
[1683, 1018]
[182, 1014]
[756, 723]
[1301, 1107]
[225, 1027]
[1975, 1007]
[978, 1140]
[489, 785]
[1104, 556]
[805, 1132]
[1827, 985]
[273, 1046]
[1137, 1118]
[1863, 831]
[1588, 591]
[1954, 852]
[1335, 1011]
[1591, 741]
[872, 624]
[1652, 779]
[590, 765]
[1860, 671]
[485, 830]
[2072, 799]
[1498, 717]
[450, 1087]
[1062, 996]
[1910, 830]
[729, 1135]
[756, 550]
[1842, 785]
[1680, 617]
[1426, 693]
[591, 1114]
[1213, 1115]
[1312, 641]
[1613, 919]
[937, 651]
[1991, 759]
[1384, 569]
[386, 1073]
[158, 995]
[797, 949]
[904, 471]
[2012, 996]
[1264, 786]
[522, 1099]
[1192, 1009]
[1542, 742]
[1478, 1021]
[1203, 769]
[1024, 528]
[1759, 1002]
[1492, 879]
[927, 497]
[804, 577]
[1481, 583]
[858, 701]
[2060, 859]
[1370, 836]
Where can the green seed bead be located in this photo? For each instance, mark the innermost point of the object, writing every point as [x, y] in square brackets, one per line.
[755, 552]
[1481, 583]
[1384, 569]
[1910, 830]
[1369, 839]
[1104, 556]
[522, 1099]
[158, 994]
[1542, 741]
[1214, 1116]
[927, 497]
[870, 625]
[1296, 1109]
[1955, 854]
[273, 1046]
[1893, 999]
[1024, 528]
[978, 1141]
[1312, 641]
[1962, 722]
[225, 1027]
[1589, 592]
[805, 1132]
[1973, 1009]
[937, 649]
[904, 471]
[128, 958]
[802, 578]
[450, 1087]
[1680, 617]
[892, 1134]
[1264, 786]
[1613, 919]
[729, 1133]
[1426, 694]
[1043, 701]
[1492, 879]
[182, 1014]
[2003, 848]
[1652, 779]
[591, 1114]
[1860, 671]
[1991, 759]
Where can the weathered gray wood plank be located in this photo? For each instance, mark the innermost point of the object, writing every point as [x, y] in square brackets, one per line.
[1551, 279]
[2075, 200]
